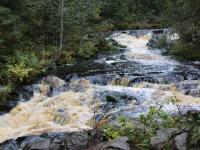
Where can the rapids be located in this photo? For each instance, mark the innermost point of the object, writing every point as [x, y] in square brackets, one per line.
[127, 84]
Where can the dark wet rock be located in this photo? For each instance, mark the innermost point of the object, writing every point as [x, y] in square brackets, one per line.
[49, 86]
[123, 57]
[161, 39]
[79, 85]
[34, 142]
[189, 87]
[9, 145]
[77, 140]
[195, 92]
[118, 144]
[156, 41]
[140, 79]
[56, 85]
[159, 31]
[101, 79]
[181, 141]
[55, 82]
[10, 104]
[51, 141]
[163, 136]
[175, 138]
[116, 97]
[2, 113]
[27, 91]
[110, 58]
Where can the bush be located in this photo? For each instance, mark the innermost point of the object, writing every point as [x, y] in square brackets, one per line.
[184, 51]
[17, 69]
[24, 66]
[67, 57]
[141, 135]
[87, 50]
[146, 126]
[4, 93]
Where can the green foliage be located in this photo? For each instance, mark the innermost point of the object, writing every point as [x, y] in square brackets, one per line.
[181, 50]
[17, 69]
[187, 23]
[107, 46]
[24, 66]
[125, 128]
[87, 50]
[9, 31]
[157, 119]
[4, 93]
[141, 131]
[140, 135]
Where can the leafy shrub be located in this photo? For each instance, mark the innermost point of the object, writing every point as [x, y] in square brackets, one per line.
[104, 26]
[140, 135]
[87, 50]
[4, 93]
[181, 50]
[145, 127]
[24, 66]
[107, 46]
[67, 57]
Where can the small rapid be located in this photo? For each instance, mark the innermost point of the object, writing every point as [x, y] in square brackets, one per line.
[122, 84]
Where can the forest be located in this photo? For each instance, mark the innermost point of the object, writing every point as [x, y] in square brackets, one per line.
[38, 36]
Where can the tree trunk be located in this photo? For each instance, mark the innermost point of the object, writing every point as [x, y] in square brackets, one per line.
[61, 10]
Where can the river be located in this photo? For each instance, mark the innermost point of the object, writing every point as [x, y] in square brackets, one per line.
[122, 84]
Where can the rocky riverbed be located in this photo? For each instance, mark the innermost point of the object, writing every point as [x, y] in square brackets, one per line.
[60, 111]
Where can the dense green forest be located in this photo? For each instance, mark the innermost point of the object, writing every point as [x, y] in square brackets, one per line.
[35, 35]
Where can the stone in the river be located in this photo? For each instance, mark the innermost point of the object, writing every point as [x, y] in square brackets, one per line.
[181, 141]
[35, 142]
[118, 144]
[189, 87]
[162, 137]
[9, 145]
[61, 117]
[79, 85]
[54, 81]
[119, 98]
[56, 85]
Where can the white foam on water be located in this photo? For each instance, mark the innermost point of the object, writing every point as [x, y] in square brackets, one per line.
[43, 114]
[138, 51]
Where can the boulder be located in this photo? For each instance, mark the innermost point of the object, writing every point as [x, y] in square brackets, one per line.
[180, 141]
[34, 142]
[54, 81]
[163, 136]
[118, 144]
[80, 85]
[9, 145]
[51, 141]
[77, 140]
[55, 85]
